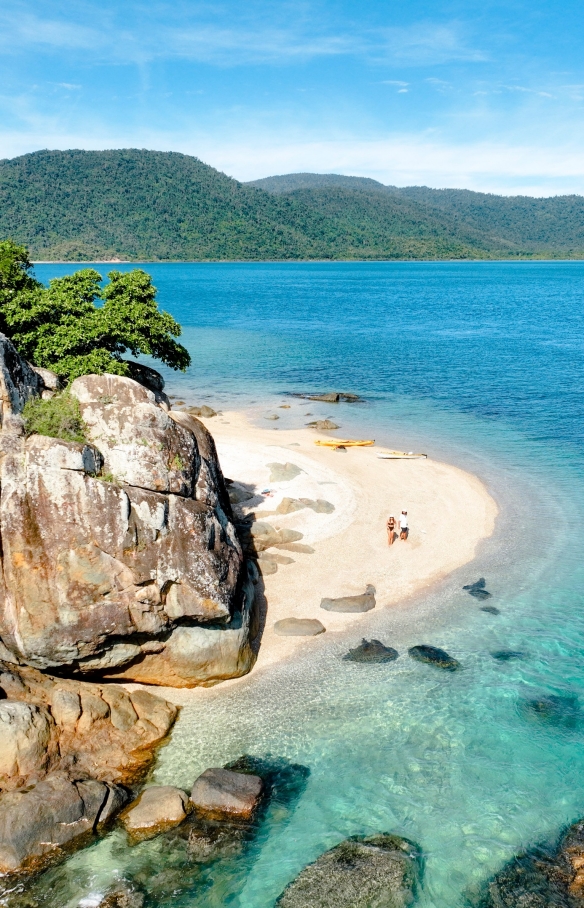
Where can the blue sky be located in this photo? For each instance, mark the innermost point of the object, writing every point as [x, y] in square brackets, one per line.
[484, 95]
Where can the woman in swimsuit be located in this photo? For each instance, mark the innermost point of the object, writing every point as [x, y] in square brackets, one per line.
[390, 529]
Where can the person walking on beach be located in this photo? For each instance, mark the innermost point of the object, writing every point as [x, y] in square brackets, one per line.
[403, 525]
[390, 529]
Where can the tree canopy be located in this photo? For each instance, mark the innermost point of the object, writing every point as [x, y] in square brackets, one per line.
[76, 326]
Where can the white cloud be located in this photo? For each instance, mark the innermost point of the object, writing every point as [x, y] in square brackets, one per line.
[402, 160]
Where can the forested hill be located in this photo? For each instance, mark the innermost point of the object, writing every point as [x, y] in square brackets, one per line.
[156, 206]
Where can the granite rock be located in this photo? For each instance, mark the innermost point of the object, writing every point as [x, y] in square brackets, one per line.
[363, 871]
[157, 809]
[299, 627]
[221, 793]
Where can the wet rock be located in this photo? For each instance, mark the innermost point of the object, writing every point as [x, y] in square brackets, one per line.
[283, 472]
[123, 895]
[209, 841]
[363, 603]
[362, 871]
[477, 589]
[221, 793]
[371, 651]
[284, 782]
[299, 627]
[37, 823]
[490, 610]
[158, 808]
[553, 709]
[505, 655]
[434, 656]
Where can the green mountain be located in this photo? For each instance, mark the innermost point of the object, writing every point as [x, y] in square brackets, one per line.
[161, 206]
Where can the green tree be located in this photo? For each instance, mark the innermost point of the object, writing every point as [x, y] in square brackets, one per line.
[62, 327]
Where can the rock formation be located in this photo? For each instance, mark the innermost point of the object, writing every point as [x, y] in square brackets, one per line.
[119, 559]
[119, 556]
[362, 871]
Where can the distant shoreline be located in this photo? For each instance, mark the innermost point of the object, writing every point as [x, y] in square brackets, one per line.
[486, 261]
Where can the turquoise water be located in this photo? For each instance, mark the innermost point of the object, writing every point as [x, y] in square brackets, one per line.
[480, 364]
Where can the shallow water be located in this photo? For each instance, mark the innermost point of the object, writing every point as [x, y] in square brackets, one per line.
[480, 364]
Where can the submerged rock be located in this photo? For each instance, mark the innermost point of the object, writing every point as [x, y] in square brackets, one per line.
[505, 655]
[123, 895]
[363, 871]
[363, 603]
[543, 877]
[298, 627]
[434, 656]
[477, 589]
[371, 651]
[491, 610]
[553, 709]
[38, 823]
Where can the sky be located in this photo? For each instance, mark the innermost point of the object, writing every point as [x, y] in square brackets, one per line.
[480, 95]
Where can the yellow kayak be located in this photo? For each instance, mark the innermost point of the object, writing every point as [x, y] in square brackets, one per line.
[348, 443]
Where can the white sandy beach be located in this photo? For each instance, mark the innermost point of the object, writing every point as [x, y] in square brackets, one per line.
[450, 512]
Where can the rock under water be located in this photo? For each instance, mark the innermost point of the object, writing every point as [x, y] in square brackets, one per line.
[371, 651]
[434, 656]
[561, 710]
[363, 871]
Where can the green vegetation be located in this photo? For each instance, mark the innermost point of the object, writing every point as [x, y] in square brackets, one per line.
[59, 417]
[161, 206]
[61, 327]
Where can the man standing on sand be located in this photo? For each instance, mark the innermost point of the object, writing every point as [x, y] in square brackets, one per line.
[403, 525]
[390, 529]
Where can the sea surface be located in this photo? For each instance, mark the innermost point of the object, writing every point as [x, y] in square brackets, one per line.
[479, 364]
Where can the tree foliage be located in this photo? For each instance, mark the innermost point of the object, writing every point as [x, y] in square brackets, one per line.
[75, 326]
[161, 206]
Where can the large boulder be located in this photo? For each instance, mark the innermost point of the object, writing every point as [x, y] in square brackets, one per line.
[113, 547]
[157, 809]
[379, 871]
[224, 794]
[36, 824]
[100, 731]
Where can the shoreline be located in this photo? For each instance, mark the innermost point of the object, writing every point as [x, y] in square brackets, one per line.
[451, 512]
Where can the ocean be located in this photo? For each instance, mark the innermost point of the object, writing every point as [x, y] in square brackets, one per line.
[479, 364]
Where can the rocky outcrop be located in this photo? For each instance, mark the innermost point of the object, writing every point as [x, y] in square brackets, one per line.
[433, 655]
[38, 823]
[542, 877]
[362, 871]
[88, 730]
[120, 557]
[372, 651]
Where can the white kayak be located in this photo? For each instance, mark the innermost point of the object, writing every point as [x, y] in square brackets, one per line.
[400, 455]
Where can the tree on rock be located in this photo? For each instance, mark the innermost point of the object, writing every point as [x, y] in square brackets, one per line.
[76, 327]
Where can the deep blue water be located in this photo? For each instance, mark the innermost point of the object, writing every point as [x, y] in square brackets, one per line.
[481, 363]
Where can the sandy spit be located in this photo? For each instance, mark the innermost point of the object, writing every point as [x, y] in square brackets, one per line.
[450, 512]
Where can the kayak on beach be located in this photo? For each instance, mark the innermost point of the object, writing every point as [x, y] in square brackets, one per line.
[338, 443]
[400, 455]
